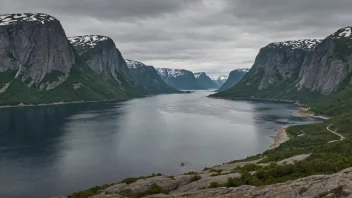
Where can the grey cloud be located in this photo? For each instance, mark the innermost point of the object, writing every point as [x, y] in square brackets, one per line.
[104, 9]
[215, 36]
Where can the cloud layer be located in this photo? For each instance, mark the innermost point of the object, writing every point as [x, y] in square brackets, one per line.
[215, 36]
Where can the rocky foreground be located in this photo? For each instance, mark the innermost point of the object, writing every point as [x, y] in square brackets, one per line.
[205, 184]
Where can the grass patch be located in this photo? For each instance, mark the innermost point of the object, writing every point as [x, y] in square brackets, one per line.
[196, 177]
[90, 192]
[214, 185]
[152, 190]
[131, 180]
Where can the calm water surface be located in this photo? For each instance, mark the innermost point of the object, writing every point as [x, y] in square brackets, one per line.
[56, 150]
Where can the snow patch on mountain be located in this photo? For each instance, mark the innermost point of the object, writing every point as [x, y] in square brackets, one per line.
[305, 44]
[133, 64]
[170, 72]
[243, 70]
[10, 19]
[198, 74]
[223, 77]
[87, 40]
[343, 33]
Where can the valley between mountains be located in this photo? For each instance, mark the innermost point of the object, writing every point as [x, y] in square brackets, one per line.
[39, 64]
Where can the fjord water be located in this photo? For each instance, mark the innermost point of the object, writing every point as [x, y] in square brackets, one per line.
[55, 150]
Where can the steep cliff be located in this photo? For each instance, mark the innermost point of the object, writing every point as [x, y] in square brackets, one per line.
[234, 77]
[205, 81]
[102, 56]
[180, 79]
[149, 78]
[300, 70]
[33, 47]
[39, 65]
[275, 71]
[330, 64]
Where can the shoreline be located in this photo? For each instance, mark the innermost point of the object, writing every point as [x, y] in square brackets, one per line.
[84, 101]
[62, 103]
[305, 112]
[279, 138]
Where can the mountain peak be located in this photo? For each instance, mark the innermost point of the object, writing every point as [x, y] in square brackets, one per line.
[133, 64]
[242, 69]
[171, 72]
[10, 19]
[305, 44]
[345, 32]
[198, 74]
[87, 40]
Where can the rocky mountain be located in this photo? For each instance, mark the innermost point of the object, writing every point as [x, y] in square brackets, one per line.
[276, 70]
[205, 81]
[32, 47]
[149, 78]
[39, 65]
[102, 56]
[300, 70]
[234, 77]
[210, 183]
[220, 80]
[180, 79]
[330, 65]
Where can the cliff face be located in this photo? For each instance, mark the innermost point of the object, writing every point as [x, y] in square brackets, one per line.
[102, 56]
[275, 71]
[179, 78]
[279, 63]
[149, 78]
[39, 65]
[330, 64]
[302, 70]
[234, 77]
[34, 46]
[205, 81]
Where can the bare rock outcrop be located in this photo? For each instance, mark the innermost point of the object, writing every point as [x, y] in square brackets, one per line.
[149, 78]
[102, 56]
[330, 64]
[34, 47]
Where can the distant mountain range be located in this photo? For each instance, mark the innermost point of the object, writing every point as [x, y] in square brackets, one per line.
[234, 77]
[180, 79]
[220, 80]
[148, 77]
[205, 81]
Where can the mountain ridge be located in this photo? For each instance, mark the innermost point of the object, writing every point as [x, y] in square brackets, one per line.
[180, 79]
[234, 77]
[205, 81]
[149, 78]
[39, 65]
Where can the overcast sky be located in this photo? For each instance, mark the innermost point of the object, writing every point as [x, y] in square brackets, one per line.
[215, 36]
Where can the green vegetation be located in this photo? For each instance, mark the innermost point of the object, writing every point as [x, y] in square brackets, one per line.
[90, 192]
[191, 173]
[214, 185]
[152, 190]
[53, 76]
[215, 171]
[6, 77]
[196, 177]
[325, 158]
[131, 180]
[93, 88]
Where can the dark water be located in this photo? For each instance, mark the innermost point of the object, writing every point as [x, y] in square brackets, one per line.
[56, 150]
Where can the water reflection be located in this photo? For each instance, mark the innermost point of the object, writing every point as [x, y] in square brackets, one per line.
[54, 150]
